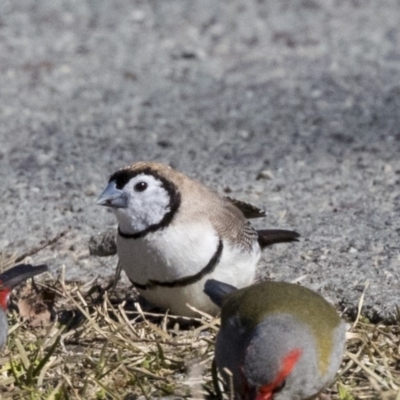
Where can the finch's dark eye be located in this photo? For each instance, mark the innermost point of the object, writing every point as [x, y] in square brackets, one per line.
[140, 187]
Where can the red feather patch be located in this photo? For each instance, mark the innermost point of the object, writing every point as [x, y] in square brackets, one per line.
[289, 361]
[4, 296]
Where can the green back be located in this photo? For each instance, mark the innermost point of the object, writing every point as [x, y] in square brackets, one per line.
[254, 303]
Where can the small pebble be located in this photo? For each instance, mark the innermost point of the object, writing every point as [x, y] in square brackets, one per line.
[265, 174]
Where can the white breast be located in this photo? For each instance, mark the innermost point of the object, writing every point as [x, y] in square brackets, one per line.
[168, 254]
[173, 253]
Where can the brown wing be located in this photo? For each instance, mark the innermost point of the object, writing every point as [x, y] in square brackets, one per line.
[248, 210]
[267, 237]
[228, 216]
[230, 223]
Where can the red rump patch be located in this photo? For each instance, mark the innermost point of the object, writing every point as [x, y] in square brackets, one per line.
[4, 295]
[289, 361]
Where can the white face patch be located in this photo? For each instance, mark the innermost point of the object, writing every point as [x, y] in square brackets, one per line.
[148, 202]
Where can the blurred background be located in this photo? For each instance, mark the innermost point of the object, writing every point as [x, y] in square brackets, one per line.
[291, 105]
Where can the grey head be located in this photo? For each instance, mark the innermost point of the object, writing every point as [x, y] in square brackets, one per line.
[277, 360]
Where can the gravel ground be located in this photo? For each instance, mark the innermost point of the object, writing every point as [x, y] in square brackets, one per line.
[306, 92]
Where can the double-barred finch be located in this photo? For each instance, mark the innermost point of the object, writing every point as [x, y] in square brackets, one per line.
[174, 233]
[279, 341]
[8, 280]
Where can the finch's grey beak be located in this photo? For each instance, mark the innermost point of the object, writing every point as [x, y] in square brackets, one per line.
[113, 197]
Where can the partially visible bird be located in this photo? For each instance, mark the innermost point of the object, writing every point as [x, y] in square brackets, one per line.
[280, 341]
[8, 280]
[174, 233]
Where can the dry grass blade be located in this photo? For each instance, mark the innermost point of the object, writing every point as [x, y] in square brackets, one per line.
[360, 304]
[106, 350]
